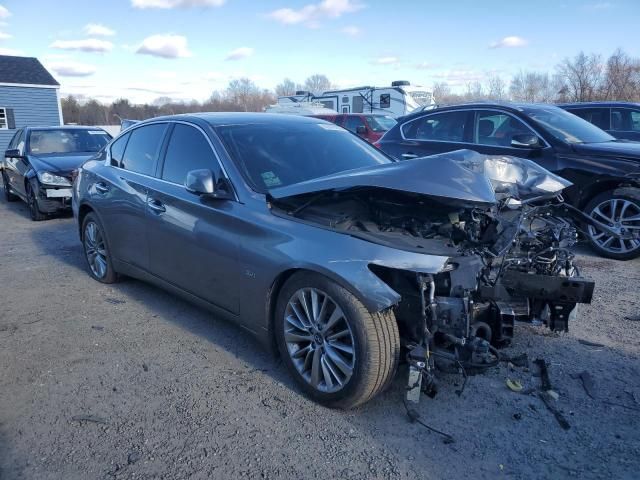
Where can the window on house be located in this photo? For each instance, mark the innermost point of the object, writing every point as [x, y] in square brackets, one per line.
[385, 100]
[4, 124]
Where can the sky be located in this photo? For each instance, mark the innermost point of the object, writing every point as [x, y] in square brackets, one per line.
[186, 49]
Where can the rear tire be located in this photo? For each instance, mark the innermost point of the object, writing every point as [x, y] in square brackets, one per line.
[9, 197]
[32, 202]
[364, 345]
[96, 250]
[619, 209]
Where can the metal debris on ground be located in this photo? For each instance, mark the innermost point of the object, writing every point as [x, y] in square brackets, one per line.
[514, 385]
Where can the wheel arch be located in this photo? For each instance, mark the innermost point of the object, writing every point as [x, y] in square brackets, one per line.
[598, 187]
[377, 304]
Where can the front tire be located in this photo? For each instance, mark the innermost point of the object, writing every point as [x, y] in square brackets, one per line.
[32, 202]
[339, 353]
[96, 250]
[620, 210]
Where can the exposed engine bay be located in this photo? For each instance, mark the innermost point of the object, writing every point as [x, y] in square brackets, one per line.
[510, 259]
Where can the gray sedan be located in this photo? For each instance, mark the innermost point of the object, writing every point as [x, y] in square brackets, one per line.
[317, 242]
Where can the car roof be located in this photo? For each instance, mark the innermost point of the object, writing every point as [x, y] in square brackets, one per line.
[509, 106]
[66, 127]
[599, 104]
[232, 118]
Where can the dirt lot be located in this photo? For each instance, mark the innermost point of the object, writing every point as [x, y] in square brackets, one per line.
[126, 381]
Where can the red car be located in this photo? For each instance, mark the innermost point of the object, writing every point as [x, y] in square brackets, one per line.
[369, 126]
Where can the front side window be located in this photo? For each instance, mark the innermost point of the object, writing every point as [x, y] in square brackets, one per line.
[4, 124]
[497, 128]
[352, 123]
[625, 120]
[385, 100]
[142, 148]
[565, 126]
[442, 127]
[67, 140]
[274, 155]
[188, 150]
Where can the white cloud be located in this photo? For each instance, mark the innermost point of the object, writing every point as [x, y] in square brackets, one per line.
[509, 42]
[165, 46]
[72, 69]
[385, 61]
[4, 13]
[425, 66]
[98, 30]
[10, 51]
[239, 53]
[598, 6]
[4, 36]
[352, 31]
[166, 4]
[86, 45]
[312, 13]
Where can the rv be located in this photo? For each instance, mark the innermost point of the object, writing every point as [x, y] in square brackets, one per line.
[397, 100]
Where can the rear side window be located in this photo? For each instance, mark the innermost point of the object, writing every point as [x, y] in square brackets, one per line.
[142, 148]
[117, 150]
[352, 123]
[442, 127]
[188, 150]
[598, 116]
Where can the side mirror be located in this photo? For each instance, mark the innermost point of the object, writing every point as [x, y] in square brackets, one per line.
[525, 140]
[361, 130]
[202, 182]
[13, 153]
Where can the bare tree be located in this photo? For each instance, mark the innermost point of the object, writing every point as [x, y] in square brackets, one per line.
[533, 87]
[496, 88]
[287, 87]
[317, 84]
[241, 91]
[621, 77]
[475, 91]
[582, 76]
[441, 92]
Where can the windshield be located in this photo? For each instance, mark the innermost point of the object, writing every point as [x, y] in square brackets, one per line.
[567, 127]
[379, 123]
[70, 140]
[272, 155]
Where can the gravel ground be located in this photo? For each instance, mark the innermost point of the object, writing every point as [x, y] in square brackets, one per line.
[126, 381]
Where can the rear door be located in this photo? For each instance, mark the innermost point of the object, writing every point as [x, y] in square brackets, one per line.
[431, 134]
[192, 244]
[494, 131]
[121, 198]
[625, 123]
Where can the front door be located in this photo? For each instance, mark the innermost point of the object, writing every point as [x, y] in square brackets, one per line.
[625, 123]
[192, 243]
[494, 132]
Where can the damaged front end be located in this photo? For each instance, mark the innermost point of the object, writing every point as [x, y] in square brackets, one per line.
[503, 225]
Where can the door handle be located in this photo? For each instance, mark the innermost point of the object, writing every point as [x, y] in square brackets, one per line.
[156, 206]
[409, 155]
[101, 187]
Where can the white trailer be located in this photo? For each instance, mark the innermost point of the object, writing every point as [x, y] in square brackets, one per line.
[397, 100]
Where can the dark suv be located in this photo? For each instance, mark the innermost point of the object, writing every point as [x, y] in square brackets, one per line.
[370, 127]
[620, 119]
[605, 171]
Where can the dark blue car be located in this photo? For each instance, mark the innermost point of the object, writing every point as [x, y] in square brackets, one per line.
[620, 119]
[38, 166]
[605, 172]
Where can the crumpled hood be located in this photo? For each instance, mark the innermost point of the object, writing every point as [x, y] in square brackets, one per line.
[445, 175]
[59, 163]
[462, 176]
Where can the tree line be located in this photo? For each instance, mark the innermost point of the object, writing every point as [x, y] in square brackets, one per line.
[583, 78]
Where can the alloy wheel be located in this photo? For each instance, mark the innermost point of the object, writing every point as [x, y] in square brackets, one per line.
[319, 340]
[32, 203]
[95, 250]
[622, 216]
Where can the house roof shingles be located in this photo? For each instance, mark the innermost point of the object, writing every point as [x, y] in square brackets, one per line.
[24, 71]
